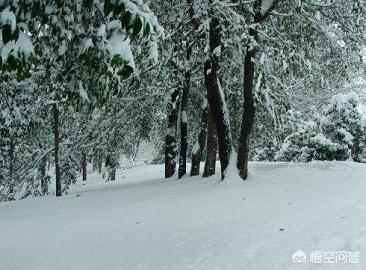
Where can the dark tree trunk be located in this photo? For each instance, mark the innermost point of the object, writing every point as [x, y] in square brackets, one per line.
[84, 165]
[11, 158]
[210, 164]
[248, 113]
[44, 178]
[99, 164]
[56, 134]
[112, 175]
[11, 164]
[183, 119]
[215, 98]
[200, 144]
[170, 139]
[248, 105]
[136, 150]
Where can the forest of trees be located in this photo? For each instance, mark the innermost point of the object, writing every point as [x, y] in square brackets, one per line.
[86, 81]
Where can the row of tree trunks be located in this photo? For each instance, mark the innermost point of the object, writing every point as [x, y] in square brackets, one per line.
[217, 106]
[215, 98]
[200, 144]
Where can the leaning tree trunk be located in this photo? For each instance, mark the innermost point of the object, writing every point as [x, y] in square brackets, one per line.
[210, 164]
[84, 165]
[170, 139]
[200, 144]
[183, 119]
[215, 96]
[56, 134]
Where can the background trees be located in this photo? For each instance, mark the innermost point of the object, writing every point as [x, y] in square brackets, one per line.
[104, 76]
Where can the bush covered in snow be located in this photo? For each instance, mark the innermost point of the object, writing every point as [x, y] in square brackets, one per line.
[338, 133]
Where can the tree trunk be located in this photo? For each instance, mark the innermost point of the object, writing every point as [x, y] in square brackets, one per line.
[248, 111]
[210, 164]
[84, 165]
[248, 105]
[170, 139]
[183, 119]
[200, 144]
[99, 164]
[11, 158]
[11, 164]
[44, 178]
[56, 133]
[216, 98]
[113, 174]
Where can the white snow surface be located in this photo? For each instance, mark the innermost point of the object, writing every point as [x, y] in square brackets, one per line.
[142, 221]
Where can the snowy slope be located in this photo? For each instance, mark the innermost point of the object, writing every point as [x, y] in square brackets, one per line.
[144, 222]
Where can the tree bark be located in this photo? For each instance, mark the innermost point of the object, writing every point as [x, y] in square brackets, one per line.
[248, 112]
[215, 98]
[183, 119]
[44, 178]
[84, 165]
[248, 105]
[56, 134]
[210, 164]
[200, 144]
[113, 174]
[170, 139]
[11, 159]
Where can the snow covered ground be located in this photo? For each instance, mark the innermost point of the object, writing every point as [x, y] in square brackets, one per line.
[142, 221]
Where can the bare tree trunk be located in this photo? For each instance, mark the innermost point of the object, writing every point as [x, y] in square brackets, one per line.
[11, 158]
[113, 174]
[215, 98]
[248, 114]
[183, 119]
[200, 144]
[44, 178]
[248, 105]
[210, 164]
[11, 164]
[56, 134]
[84, 165]
[136, 150]
[99, 166]
[170, 139]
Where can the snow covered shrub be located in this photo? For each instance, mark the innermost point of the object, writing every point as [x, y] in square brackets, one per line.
[308, 143]
[296, 146]
[343, 123]
[264, 154]
[337, 134]
[324, 149]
